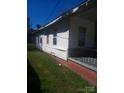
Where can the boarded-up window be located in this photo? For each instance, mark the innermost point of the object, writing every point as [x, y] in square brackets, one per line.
[55, 37]
[81, 35]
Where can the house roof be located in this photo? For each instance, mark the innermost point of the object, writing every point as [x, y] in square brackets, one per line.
[67, 13]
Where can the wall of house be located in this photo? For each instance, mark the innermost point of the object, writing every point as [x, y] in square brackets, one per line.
[61, 48]
[74, 48]
[75, 23]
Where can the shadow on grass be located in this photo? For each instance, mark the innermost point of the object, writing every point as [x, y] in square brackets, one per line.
[33, 81]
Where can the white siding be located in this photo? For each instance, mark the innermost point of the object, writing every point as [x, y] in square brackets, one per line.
[61, 49]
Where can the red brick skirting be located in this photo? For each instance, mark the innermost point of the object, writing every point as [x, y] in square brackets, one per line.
[84, 72]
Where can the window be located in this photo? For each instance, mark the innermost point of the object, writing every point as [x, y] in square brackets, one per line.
[41, 40]
[81, 35]
[47, 39]
[55, 37]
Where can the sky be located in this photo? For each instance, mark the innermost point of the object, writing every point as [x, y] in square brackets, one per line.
[43, 11]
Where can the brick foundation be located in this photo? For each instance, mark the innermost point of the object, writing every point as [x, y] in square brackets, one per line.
[84, 72]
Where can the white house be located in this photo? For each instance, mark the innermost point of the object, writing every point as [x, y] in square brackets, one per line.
[72, 35]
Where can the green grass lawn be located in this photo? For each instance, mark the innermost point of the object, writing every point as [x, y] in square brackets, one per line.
[56, 79]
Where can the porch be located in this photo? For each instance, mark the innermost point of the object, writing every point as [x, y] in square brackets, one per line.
[85, 57]
[83, 37]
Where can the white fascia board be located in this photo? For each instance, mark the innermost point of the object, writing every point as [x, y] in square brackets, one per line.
[75, 9]
[51, 23]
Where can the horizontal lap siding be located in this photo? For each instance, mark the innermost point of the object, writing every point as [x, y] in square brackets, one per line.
[61, 49]
[55, 52]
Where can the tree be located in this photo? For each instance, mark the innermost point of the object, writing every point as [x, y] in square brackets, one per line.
[29, 30]
[38, 26]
